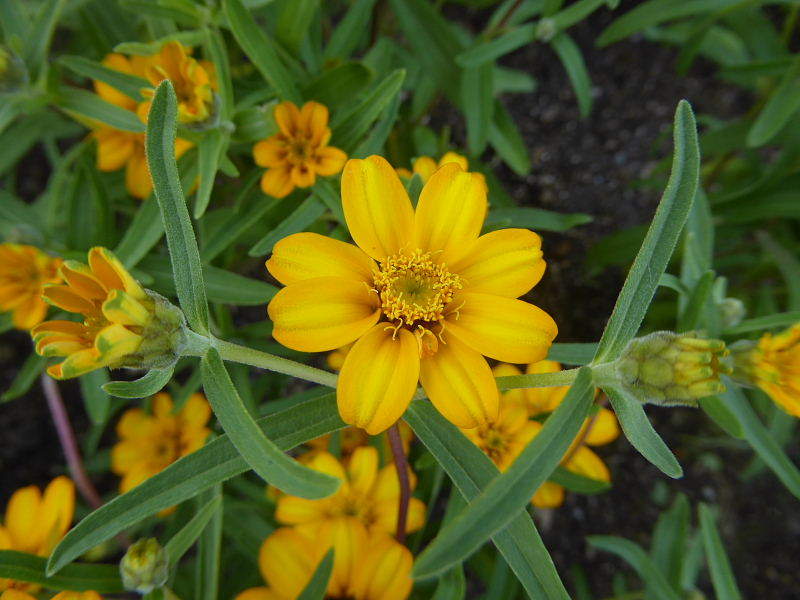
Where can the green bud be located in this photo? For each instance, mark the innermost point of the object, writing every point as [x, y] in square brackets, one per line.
[732, 311]
[672, 369]
[163, 337]
[546, 30]
[145, 566]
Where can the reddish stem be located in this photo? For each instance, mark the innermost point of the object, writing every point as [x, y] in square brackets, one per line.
[401, 463]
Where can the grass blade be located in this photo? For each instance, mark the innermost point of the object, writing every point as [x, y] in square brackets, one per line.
[718, 564]
[180, 543]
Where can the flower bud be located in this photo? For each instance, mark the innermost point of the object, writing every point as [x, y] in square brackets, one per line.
[546, 30]
[144, 567]
[672, 369]
[732, 311]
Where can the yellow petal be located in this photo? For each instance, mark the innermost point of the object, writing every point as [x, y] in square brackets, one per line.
[507, 262]
[287, 560]
[502, 328]
[114, 148]
[302, 175]
[348, 538]
[115, 342]
[385, 571]
[29, 313]
[287, 117]
[277, 181]
[449, 157]
[317, 315]
[314, 121]
[65, 298]
[112, 273]
[585, 462]
[162, 406]
[124, 309]
[450, 213]
[260, 593]
[362, 469]
[605, 428]
[22, 516]
[378, 378]
[137, 175]
[424, 166]
[309, 255]
[549, 495]
[511, 396]
[80, 279]
[546, 399]
[196, 412]
[329, 160]
[14, 594]
[376, 207]
[460, 384]
[58, 508]
[270, 153]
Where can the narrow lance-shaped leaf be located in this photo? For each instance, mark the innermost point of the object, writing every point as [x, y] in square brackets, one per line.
[186, 267]
[180, 543]
[147, 385]
[22, 566]
[718, 564]
[316, 587]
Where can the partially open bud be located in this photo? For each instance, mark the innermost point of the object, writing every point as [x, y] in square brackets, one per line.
[672, 368]
[145, 566]
[123, 324]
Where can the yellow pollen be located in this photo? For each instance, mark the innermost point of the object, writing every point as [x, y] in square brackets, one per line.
[414, 291]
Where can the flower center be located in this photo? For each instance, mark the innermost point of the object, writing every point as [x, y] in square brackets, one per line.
[495, 443]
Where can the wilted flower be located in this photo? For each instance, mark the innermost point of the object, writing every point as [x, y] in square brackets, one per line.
[773, 364]
[299, 151]
[149, 443]
[438, 297]
[425, 166]
[144, 567]
[369, 495]
[672, 368]
[366, 566]
[36, 522]
[24, 271]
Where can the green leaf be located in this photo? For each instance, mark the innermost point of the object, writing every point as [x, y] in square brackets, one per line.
[783, 103]
[719, 566]
[218, 54]
[144, 387]
[209, 550]
[316, 587]
[668, 548]
[304, 215]
[507, 141]
[92, 106]
[719, 412]
[760, 323]
[187, 38]
[210, 151]
[201, 470]
[580, 484]
[258, 450]
[477, 102]
[787, 263]
[351, 126]
[259, 49]
[534, 218]
[572, 354]
[77, 578]
[345, 37]
[510, 492]
[452, 585]
[336, 87]
[761, 440]
[689, 319]
[95, 399]
[142, 234]
[572, 59]
[33, 366]
[42, 26]
[637, 558]
[486, 51]
[660, 241]
[294, 21]
[128, 84]
[374, 142]
[180, 543]
[160, 148]
[472, 471]
[640, 432]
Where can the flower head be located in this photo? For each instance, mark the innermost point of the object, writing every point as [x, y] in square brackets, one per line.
[24, 271]
[145, 566]
[369, 495]
[35, 522]
[123, 325]
[366, 566]
[773, 364]
[422, 295]
[425, 166]
[299, 151]
[149, 443]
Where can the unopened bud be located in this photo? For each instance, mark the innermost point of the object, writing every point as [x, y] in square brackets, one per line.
[732, 312]
[672, 369]
[145, 566]
[546, 30]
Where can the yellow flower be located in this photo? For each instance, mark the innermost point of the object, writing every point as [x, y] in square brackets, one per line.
[299, 151]
[36, 522]
[352, 438]
[194, 82]
[24, 270]
[422, 295]
[366, 566]
[425, 166]
[149, 443]
[773, 364]
[116, 148]
[116, 309]
[369, 495]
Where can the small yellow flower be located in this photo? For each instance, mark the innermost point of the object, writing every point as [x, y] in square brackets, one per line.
[149, 443]
[36, 522]
[299, 151]
[369, 495]
[194, 81]
[24, 271]
[772, 364]
[116, 312]
[116, 148]
[353, 438]
[366, 566]
[425, 166]
[422, 295]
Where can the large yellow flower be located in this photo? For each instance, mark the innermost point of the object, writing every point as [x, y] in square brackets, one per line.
[36, 522]
[24, 271]
[116, 148]
[299, 151]
[425, 166]
[366, 566]
[773, 364]
[149, 443]
[115, 310]
[423, 296]
[368, 496]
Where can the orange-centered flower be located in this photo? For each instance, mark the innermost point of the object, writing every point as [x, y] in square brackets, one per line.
[24, 271]
[299, 151]
[36, 522]
[423, 296]
[115, 311]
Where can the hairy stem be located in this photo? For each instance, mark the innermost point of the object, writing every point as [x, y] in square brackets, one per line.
[401, 463]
